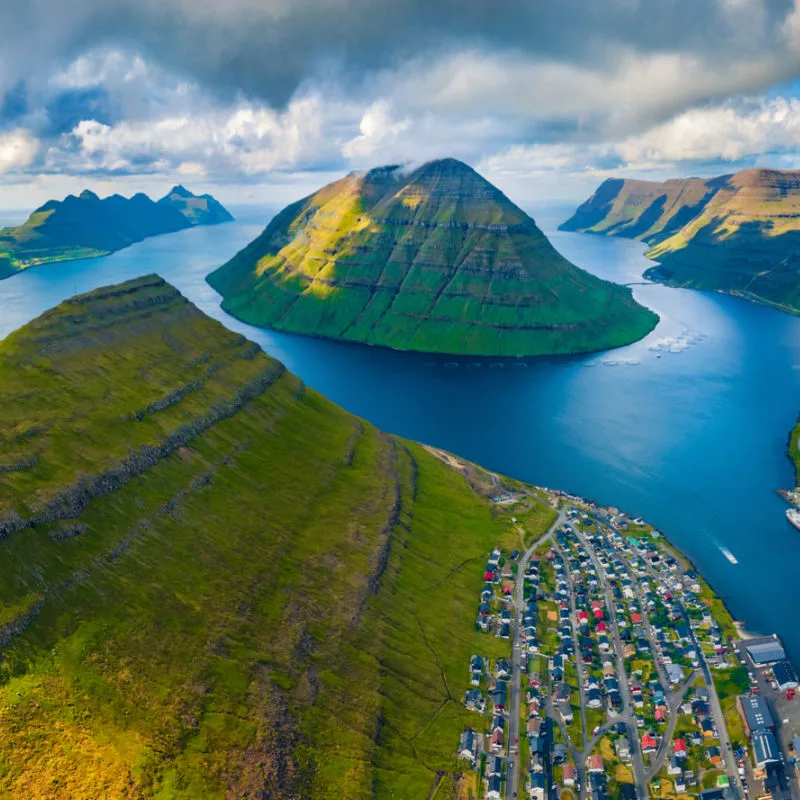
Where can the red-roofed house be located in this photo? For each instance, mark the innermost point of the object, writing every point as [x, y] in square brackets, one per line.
[568, 775]
[596, 604]
[601, 627]
[649, 744]
[598, 613]
[680, 748]
[596, 763]
[636, 617]
[660, 714]
[488, 575]
[583, 616]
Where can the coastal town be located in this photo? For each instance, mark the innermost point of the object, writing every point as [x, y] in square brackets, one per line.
[624, 675]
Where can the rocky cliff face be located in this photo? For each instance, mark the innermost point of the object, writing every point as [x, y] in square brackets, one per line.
[436, 259]
[735, 233]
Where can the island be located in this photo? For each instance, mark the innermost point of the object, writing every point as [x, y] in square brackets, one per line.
[87, 227]
[434, 259]
[738, 234]
[214, 582]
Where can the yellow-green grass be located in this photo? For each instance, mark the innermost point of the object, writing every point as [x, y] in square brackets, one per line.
[280, 601]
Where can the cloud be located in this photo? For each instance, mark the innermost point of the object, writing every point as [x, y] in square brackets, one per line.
[729, 133]
[17, 150]
[377, 128]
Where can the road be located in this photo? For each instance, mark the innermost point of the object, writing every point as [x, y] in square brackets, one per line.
[641, 779]
[516, 690]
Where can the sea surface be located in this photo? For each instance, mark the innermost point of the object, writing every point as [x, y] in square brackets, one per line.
[687, 428]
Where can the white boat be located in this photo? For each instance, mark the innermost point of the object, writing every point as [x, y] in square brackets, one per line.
[793, 515]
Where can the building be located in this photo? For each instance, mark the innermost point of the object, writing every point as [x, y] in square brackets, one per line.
[494, 788]
[767, 652]
[785, 675]
[765, 749]
[568, 775]
[596, 763]
[468, 747]
[756, 713]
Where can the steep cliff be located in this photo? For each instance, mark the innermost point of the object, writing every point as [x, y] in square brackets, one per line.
[437, 260]
[735, 233]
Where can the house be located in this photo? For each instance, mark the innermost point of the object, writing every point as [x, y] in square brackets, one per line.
[756, 713]
[496, 740]
[565, 709]
[494, 766]
[596, 763]
[533, 726]
[468, 745]
[784, 675]
[679, 747]
[537, 786]
[499, 696]
[707, 728]
[473, 700]
[714, 755]
[568, 775]
[494, 788]
[502, 668]
[594, 698]
[660, 714]
[559, 753]
[649, 744]
[623, 748]
[765, 749]
[680, 783]
[675, 766]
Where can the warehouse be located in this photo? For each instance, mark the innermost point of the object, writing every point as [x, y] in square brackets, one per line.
[766, 652]
[756, 713]
[785, 675]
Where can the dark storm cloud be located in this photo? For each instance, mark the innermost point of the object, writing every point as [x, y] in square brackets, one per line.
[267, 48]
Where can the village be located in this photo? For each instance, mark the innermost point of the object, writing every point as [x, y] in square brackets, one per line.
[625, 677]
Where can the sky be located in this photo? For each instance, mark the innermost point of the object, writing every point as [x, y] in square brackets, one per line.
[263, 101]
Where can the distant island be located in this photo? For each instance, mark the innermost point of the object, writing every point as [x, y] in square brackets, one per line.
[734, 233]
[434, 259]
[86, 226]
[216, 583]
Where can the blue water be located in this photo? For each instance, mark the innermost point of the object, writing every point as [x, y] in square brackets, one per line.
[694, 441]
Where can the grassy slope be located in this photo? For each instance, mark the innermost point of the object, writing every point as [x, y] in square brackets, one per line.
[397, 265]
[736, 234]
[277, 600]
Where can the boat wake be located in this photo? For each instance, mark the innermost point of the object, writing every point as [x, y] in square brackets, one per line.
[727, 553]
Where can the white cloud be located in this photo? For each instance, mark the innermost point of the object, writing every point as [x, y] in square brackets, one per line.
[18, 149]
[728, 133]
[377, 128]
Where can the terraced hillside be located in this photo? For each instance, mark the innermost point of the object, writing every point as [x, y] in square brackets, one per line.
[736, 233]
[437, 260]
[86, 226]
[214, 582]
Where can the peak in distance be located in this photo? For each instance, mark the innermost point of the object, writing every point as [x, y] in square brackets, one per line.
[86, 226]
[433, 259]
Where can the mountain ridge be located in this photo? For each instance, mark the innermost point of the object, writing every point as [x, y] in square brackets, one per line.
[736, 233]
[435, 259]
[86, 226]
[217, 583]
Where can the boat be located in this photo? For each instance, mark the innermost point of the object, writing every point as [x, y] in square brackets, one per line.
[793, 515]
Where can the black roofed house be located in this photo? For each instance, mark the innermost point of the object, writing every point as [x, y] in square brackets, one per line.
[784, 675]
[756, 713]
[594, 698]
[505, 631]
[565, 709]
[537, 786]
[494, 765]
[494, 787]
[468, 746]
[499, 696]
[473, 700]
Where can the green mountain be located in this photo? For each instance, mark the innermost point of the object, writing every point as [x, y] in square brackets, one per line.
[735, 233]
[434, 260]
[214, 582]
[86, 226]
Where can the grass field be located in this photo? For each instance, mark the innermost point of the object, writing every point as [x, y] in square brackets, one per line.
[216, 583]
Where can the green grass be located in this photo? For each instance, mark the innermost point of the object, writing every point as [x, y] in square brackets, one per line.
[281, 603]
[362, 260]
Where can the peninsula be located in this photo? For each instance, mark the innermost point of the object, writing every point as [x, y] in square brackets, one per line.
[738, 233]
[86, 226]
[436, 259]
[216, 583]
